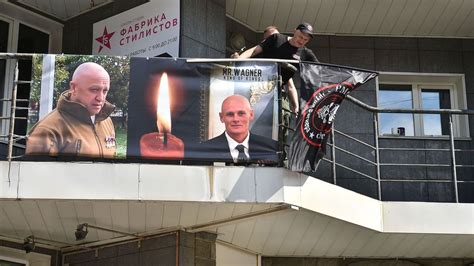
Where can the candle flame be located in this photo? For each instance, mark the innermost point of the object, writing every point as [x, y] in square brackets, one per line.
[163, 113]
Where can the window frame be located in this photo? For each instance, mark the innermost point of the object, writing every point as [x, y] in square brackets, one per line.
[15, 16]
[15, 258]
[19, 256]
[455, 83]
[419, 118]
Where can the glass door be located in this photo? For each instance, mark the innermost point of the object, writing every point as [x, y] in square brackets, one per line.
[16, 37]
[4, 34]
[30, 40]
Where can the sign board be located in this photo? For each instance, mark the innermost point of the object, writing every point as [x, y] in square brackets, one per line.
[149, 30]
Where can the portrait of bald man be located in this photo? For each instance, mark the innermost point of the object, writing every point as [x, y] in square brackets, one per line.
[80, 125]
[237, 144]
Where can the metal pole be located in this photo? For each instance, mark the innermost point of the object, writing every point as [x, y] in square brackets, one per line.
[11, 130]
[282, 139]
[377, 155]
[111, 230]
[453, 157]
[333, 155]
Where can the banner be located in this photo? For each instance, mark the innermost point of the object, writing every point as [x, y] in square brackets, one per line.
[193, 120]
[154, 108]
[323, 89]
[151, 29]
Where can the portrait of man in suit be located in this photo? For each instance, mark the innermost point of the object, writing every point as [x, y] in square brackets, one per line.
[237, 144]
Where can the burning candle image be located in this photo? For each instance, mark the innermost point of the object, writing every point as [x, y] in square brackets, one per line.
[162, 144]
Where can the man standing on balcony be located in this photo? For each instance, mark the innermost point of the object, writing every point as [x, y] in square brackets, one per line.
[80, 125]
[270, 30]
[279, 46]
[291, 89]
[237, 144]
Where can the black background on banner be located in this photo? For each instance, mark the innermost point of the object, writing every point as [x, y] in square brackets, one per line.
[185, 83]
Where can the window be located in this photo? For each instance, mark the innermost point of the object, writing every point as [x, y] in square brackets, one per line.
[20, 38]
[18, 257]
[396, 97]
[10, 263]
[4, 37]
[435, 124]
[4, 27]
[30, 40]
[421, 91]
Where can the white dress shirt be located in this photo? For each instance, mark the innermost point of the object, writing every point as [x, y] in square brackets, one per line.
[232, 144]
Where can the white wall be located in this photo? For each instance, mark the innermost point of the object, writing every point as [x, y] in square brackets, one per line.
[20, 256]
[228, 256]
[107, 181]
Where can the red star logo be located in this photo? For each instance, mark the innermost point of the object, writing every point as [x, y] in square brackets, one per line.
[104, 40]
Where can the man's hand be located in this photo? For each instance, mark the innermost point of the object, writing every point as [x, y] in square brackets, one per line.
[252, 52]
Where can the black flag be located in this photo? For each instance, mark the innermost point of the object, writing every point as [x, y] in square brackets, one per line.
[322, 91]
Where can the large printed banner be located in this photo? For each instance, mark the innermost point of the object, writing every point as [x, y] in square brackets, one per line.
[151, 29]
[324, 87]
[154, 108]
[170, 109]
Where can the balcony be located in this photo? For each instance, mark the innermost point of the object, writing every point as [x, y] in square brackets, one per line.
[347, 208]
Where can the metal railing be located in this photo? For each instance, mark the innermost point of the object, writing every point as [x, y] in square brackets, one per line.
[11, 117]
[376, 162]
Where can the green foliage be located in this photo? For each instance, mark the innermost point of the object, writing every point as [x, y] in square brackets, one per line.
[121, 140]
[118, 68]
[36, 79]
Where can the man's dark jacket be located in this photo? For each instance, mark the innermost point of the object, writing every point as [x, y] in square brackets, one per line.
[261, 149]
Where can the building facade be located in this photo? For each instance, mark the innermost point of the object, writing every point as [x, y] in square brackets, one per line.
[394, 188]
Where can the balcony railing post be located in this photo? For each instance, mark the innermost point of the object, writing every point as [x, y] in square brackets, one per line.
[453, 157]
[333, 155]
[377, 155]
[11, 129]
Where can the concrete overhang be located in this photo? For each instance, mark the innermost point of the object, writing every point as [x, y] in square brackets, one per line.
[415, 18]
[268, 211]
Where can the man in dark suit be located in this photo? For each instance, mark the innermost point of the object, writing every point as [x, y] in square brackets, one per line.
[237, 144]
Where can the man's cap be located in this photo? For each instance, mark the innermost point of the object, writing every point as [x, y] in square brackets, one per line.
[306, 28]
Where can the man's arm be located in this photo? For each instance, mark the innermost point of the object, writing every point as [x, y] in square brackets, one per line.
[310, 56]
[268, 43]
[42, 141]
[252, 52]
[293, 95]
